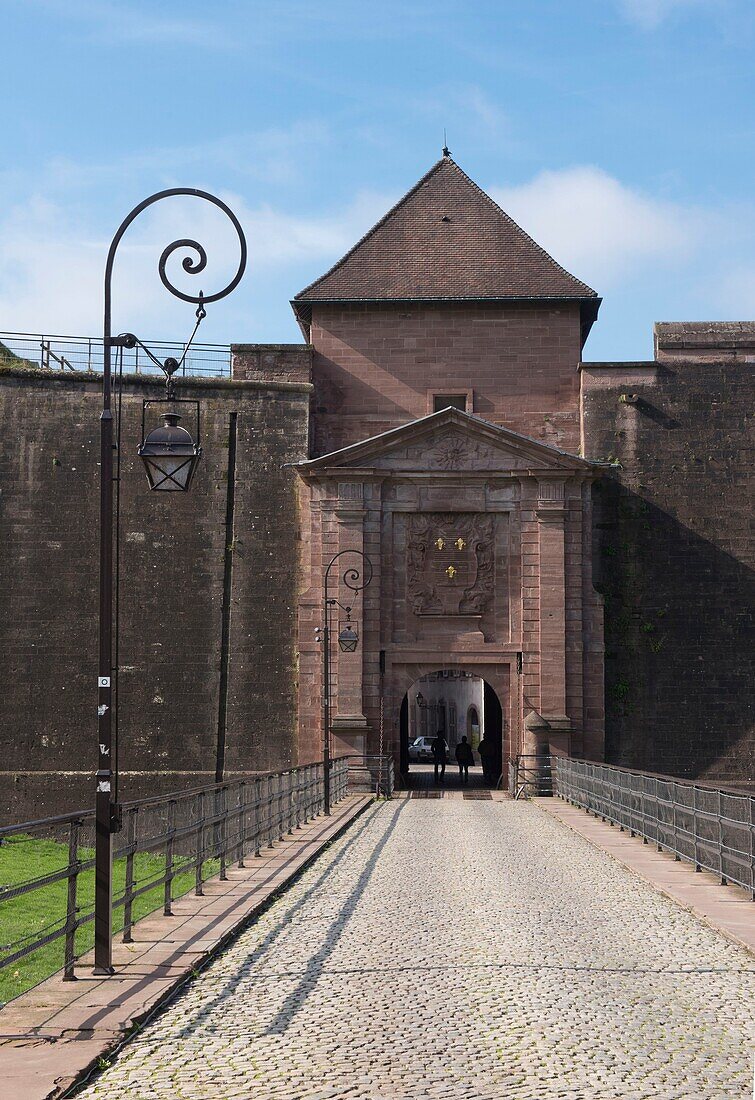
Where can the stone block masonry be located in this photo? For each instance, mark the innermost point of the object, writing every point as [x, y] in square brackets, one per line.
[172, 557]
[376, 366]
[675, 551]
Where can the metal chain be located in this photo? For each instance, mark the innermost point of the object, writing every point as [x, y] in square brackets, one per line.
[380, 743]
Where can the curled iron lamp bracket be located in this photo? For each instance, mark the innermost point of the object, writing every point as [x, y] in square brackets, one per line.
[351, 575]
[192, 265]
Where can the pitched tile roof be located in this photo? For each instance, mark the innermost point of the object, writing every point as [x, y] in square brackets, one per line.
[446, 239]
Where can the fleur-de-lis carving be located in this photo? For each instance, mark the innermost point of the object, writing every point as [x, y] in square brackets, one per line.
[451, 571]
[460, 544]
[440, 542]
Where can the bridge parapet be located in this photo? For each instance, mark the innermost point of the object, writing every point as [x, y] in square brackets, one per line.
[165, 846]
[710, 826]
[371, 774]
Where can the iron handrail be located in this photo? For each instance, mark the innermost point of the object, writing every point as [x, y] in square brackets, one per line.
[218, 824]
[84, 354]
[672, 813]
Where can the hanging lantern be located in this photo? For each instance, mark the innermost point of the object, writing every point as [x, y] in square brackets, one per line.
[348, 638]
[169, 454]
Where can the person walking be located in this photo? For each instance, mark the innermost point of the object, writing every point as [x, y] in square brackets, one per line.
[464, 757]
[440, 747]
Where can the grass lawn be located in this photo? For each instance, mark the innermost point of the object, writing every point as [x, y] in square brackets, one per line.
[23, 858]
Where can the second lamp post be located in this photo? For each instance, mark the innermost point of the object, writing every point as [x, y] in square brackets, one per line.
[355, 578]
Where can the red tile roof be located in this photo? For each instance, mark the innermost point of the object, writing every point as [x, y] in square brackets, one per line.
[446, 239]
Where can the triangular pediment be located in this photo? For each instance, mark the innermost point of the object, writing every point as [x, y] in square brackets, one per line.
[450, 441]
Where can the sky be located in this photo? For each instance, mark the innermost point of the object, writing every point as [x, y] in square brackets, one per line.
[618, 133]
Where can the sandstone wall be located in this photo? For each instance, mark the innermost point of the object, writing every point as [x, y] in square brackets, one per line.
[173, 548]
[377, 366]
[676, 552]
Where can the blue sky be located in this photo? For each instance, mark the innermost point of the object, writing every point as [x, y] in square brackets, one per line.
[619, 133]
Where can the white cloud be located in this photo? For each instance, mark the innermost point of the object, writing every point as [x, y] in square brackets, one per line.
[51, 270]
[597, 227]
[689, 261]
[128, 23]
[649, 14]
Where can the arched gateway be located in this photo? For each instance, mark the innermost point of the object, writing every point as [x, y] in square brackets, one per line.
[445, 427]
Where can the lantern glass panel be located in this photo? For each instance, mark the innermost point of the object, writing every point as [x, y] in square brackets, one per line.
[168, 473]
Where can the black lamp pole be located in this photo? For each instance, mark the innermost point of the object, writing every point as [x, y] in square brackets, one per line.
[106, 809]
[347, 640]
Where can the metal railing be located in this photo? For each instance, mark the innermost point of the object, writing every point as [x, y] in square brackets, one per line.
[83, 353]
[708, 826]
[382, 773]
[187, 837]
[530, 776]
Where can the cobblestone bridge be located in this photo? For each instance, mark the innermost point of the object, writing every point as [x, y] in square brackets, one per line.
[450, 949]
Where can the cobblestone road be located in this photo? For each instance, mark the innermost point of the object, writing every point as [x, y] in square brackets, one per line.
[451, 949]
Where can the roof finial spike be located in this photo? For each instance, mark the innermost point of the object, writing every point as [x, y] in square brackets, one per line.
[446, 150]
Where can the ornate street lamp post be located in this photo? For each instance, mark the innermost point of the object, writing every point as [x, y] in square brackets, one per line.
[348, 639]
[170, 455]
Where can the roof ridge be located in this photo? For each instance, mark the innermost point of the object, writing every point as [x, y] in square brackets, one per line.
[373, 229]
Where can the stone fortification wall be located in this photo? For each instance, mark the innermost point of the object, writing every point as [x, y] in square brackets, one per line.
[173, 551]
[676, 552]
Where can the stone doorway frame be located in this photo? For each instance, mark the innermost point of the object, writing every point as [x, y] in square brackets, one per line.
[400, 675]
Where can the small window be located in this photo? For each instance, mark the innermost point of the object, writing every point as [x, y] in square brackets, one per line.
[449, 401]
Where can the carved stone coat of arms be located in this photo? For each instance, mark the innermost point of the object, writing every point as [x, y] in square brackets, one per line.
[450, 563]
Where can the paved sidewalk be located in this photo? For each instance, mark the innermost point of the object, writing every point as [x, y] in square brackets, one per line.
[69, 1025]
[458, 950]
[729, 909]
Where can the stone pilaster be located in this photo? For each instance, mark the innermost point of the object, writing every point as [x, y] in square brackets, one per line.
[551, 515]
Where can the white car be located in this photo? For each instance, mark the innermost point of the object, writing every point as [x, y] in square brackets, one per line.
[421, 749]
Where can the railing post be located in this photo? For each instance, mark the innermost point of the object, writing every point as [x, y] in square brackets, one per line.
[698, 868]
[281, 803]
[307, 793]
[242, 822]
[724, 881]
[128, 893]
[270, 811]
[71, 923]
[257, 816]
[299, 782]
[169, 843]
[198, 889]
[222, 828]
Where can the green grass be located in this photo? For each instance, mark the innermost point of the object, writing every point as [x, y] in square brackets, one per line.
[23, 858]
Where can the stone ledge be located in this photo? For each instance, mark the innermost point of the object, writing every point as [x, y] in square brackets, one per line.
[67, 1027]
[704, 334]
[94, 380]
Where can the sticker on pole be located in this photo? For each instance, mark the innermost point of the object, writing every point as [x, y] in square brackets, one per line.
[103, 681]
